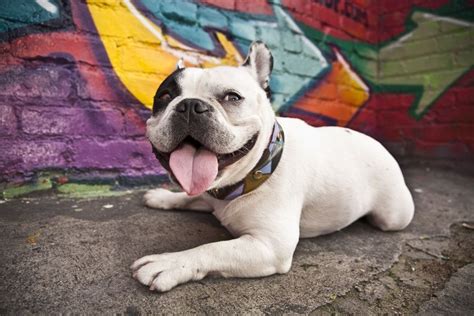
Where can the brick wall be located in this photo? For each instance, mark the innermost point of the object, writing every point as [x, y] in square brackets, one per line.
[77, 79]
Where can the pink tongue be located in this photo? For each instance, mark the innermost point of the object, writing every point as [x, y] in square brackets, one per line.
[194, 169]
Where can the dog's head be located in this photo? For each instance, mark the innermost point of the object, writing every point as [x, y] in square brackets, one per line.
[209, 127]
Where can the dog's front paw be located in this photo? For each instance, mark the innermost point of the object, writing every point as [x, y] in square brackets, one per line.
[164, 272]
[160, 198]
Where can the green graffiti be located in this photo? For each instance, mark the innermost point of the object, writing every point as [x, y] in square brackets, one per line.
[41, 184]
[69, 190]
[76, 190]
[424, 57]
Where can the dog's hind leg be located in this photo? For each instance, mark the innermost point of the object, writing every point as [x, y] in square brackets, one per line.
[167, 200]
[394, 211]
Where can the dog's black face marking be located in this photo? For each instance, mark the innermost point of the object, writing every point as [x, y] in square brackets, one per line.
[168, 90]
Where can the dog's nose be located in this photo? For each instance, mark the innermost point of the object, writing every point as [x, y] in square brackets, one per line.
[192, 105]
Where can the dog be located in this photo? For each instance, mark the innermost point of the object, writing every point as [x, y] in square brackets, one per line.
[270, 181]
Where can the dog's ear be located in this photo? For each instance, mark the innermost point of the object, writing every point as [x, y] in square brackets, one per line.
[260, 62]
[180, 64]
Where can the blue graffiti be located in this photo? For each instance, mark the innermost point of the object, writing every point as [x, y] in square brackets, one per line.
[15, 14]
[298, 63]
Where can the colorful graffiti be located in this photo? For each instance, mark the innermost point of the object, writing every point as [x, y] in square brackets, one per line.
[78, 78]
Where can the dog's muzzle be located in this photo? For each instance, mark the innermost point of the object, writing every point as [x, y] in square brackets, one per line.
[197, 146]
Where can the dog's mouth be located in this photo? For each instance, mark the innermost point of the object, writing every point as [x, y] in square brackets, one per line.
[195, 167]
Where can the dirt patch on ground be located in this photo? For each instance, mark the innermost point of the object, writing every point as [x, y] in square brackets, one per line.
[424, 267]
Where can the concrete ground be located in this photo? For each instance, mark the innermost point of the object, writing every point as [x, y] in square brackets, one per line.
[62, 255]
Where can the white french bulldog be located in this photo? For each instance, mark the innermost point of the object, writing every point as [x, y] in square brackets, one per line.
[268, 181]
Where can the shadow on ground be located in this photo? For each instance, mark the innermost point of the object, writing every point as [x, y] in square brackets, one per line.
[63, 255]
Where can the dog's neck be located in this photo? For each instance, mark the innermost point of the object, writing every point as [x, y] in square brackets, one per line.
[260, 173]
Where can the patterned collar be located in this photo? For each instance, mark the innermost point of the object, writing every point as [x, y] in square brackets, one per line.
[260, 173]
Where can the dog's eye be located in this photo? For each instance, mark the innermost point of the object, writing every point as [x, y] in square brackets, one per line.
[165, 97]
[232, 96]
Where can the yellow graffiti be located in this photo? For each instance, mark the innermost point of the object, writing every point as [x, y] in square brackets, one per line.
[141, 54]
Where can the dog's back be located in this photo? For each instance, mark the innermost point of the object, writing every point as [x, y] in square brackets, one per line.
[345, 175]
